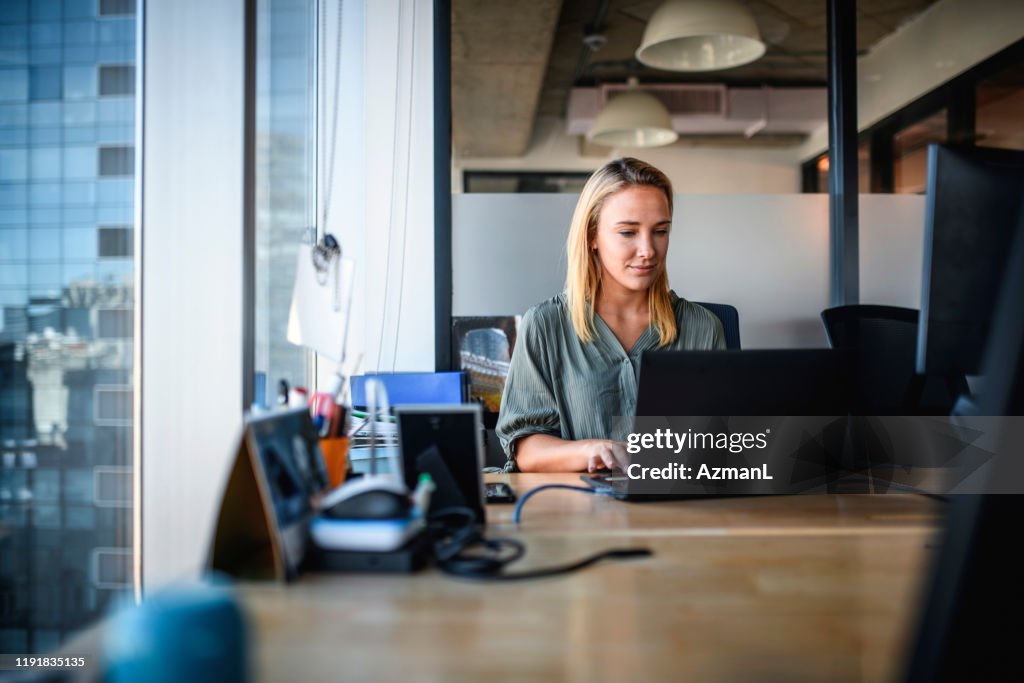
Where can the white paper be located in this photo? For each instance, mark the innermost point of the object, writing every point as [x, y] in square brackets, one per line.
[319, 315]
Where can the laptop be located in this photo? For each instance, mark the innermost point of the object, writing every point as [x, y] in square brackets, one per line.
[802, 393]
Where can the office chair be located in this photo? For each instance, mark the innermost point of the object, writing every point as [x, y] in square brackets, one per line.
[730, 322]
[883, 345]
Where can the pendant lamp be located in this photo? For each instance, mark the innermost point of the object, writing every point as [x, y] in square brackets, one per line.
[700, 35]
[633, 119]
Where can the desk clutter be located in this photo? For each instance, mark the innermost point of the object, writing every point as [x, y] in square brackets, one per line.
[284, 511]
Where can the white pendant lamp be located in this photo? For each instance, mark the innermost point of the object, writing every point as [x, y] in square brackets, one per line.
[700, 35]
[633, 119]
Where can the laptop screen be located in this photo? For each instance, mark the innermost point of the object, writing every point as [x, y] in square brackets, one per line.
[734, 383]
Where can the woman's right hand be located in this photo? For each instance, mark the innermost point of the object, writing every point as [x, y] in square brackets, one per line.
[604, 454]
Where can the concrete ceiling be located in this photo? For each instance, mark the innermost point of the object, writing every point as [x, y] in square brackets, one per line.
[500, 52]
[513, 61]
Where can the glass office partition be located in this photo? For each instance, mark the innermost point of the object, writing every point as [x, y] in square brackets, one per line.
[67, 300]
[285, 180]
[819, 178]
[1000, 105]
[910, 152]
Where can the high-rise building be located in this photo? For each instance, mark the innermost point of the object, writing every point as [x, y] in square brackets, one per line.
[67, 162]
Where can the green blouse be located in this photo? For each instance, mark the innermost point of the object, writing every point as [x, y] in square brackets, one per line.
[560, 386]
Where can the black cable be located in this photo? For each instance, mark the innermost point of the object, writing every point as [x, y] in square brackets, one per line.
[497, 575]
[462, 550]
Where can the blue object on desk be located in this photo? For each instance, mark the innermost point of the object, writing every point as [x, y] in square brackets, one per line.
[414, 387]
[260, 390]
[195, 634]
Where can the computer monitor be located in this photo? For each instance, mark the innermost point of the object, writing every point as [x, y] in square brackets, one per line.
[973, 200]
[1003, 392]
[969, 624]
[735, 383]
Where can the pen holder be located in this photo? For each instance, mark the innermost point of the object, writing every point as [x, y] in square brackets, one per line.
[335, 452]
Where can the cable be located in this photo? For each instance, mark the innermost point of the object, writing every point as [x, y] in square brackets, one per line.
[461, 549]
[485, 573]
[526, 496]
[485, 569]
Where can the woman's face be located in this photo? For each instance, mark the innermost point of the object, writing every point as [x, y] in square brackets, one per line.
[631, 240]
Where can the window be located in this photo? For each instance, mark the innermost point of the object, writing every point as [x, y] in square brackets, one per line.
[13, 84]
[116, 7]
[112, 486]
[983, 106]
[285, 166]
[999, 119]
[111, 568]
[116, 161]
[117, 80]
[44, 83]
[112, 405]
[65, 401]
[523, 181]
[114, 242]
[910, 152]
[816, 171]
[114, 323]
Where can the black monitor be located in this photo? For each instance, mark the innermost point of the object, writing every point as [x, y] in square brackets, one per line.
[1003, 392]
[973, 200]
[735, 383]
[969, 624]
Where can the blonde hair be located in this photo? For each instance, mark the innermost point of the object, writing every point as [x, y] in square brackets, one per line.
[584, 269]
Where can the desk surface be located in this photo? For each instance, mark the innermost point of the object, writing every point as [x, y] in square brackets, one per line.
[800, 588]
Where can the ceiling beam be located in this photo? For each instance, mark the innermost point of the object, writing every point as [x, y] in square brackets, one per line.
[499, 56]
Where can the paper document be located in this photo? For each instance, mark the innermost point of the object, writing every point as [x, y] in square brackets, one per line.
[321, 299]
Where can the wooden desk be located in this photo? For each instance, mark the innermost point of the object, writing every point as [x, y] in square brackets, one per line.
[801, 588]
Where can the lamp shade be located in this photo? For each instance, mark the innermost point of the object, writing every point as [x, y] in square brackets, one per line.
[700, 35]
[633, 119]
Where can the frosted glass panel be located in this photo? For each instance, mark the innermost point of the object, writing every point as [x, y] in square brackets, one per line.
[765, 254]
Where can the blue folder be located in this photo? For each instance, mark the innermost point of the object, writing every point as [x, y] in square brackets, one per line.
[414, 387]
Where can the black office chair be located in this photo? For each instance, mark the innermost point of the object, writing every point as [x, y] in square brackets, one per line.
[883, 344]
[730, 322]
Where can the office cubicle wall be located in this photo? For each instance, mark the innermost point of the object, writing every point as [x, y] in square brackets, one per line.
[891, 249]
[765, 254]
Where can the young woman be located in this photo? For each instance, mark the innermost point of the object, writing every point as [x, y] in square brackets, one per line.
[577, 355]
